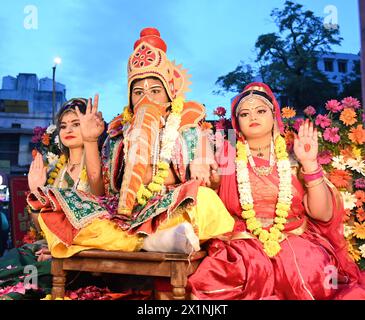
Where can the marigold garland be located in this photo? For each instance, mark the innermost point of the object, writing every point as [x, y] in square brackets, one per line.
[270, 239]
[60, 164]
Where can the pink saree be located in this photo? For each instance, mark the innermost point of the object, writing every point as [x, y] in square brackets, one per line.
[312, 264]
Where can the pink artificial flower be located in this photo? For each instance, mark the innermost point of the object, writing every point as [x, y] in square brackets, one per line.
[309, 111]
[220, 112]
[323, 121]
[222, 124]
[351, 102]
[360, 183]
[325, 157]
[331, 135]
[334, 106]
[298, 123]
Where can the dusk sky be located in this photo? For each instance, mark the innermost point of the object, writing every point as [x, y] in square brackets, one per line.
[94, 38]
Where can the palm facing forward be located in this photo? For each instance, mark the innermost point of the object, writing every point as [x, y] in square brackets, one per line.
[91, 123]
[306, 143]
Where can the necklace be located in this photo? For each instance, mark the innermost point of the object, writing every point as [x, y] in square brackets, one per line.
[260, 149]
[270, 239]
[263, 170]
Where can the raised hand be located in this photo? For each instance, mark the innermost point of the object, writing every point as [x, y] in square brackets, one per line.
[37, 175]
[306, 144]
[91, 123]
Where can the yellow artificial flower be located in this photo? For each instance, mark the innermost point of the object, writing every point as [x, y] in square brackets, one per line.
[281, 213]
[241, 152]
[354, 253]
[264, 236]
[276, 231]
[356, 151]
[280, 226]
[83, 175]
[257, 231]
[359, 230]
[126, 116]
[53, 174]
[247, 206]
[154, 187]
[247, 214]
[147, 193]
[272, 248]
[163, 165]
[158, 179]
[280, 220]
[163, 173]
[50, 180]
[177, 105]
[283, 206]
[63, 158]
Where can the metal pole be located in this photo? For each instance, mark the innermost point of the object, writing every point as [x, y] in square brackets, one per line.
[362, 33]
[54, 94]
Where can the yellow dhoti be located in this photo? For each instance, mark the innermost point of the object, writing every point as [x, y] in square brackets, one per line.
[209, 218]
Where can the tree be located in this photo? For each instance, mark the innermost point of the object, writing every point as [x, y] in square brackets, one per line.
[352, 83]
[235, 80]
[287, 59]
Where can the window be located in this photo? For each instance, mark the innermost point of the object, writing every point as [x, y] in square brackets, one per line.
[328, 65]
[342, 66]
[9, 148]
[16, 106]
[16, 125]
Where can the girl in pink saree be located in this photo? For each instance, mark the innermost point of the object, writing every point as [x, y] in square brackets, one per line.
[287, 241]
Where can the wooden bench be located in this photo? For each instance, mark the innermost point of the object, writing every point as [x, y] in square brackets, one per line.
[175, 266]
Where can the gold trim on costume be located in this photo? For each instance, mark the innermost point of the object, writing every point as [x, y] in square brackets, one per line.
[256, 88]
[221, 290]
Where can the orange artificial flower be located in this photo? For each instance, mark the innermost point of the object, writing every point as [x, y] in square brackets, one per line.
[355, 254]
[288, 112]
[360, 214]
[45, 139]
[347, 215]
[360, 195]
[347, 153]
[34, 153]
[206, 126]
[340, 178]
[348, 116]
[359, 230]
[357, 135]
[289, 137]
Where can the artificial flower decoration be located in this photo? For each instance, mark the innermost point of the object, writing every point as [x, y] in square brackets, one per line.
[341, 139]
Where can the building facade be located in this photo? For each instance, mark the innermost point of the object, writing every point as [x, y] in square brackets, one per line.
[336, 66]
[25, 103]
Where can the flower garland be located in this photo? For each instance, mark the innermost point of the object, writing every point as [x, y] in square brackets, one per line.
[59, 166]
[82, 183]
[169, 136]
[270, 239]
[127, 116]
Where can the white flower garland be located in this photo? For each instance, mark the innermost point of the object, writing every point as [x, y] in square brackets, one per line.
[270, 239]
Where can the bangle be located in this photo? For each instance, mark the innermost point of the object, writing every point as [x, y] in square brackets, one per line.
[314, 184]
[314, 175]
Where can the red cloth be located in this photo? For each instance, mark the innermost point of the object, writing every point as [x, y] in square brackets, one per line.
[303, 269]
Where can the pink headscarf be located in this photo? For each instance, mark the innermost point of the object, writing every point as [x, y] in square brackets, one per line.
[264, 88]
